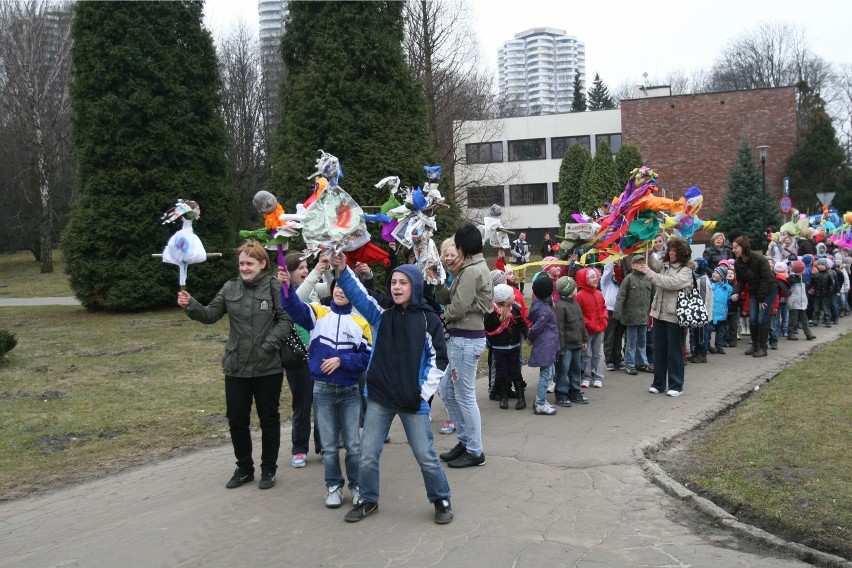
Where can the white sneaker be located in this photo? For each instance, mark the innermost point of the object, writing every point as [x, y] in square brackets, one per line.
[356, 497]
[584, 384]
[545, 409]
[653, 390]
[551, 386]
[673, 393]
[598, 384]
[334, 498]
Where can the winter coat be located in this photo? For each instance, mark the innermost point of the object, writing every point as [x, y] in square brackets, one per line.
[592, 302]
[668, 278]
[511, 334]
[633, 303]
[410, 353]
[258, 326]
[755, 273]
[713, 254]
[798, 299]
[822, 284]
[572, 328]
[805, 246]
[722, 292]
[469, 296]
[544, 334]
[609, 286]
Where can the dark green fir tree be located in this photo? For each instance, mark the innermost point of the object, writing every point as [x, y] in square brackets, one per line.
[627, 159]
[744, 207]
[599, 97]
[578, 103]
[599, 183]
[146, 132]
[349, 91]
[817, 165]
[575, 161]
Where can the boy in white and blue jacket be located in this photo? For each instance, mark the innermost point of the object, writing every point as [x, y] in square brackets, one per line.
[338, 354]
[722, 292]
[405, 369]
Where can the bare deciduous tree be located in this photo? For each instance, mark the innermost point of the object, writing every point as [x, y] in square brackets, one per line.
[35, 111]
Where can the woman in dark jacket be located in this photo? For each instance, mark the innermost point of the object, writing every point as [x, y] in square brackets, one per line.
[252, 363]
[717, 250]
[805, 242]
[753, 270]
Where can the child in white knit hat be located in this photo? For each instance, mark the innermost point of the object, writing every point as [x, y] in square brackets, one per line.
[504, 327]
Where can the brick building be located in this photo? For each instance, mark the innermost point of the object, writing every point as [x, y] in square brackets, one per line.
[693, 139]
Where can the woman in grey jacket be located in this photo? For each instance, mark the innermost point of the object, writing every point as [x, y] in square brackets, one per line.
[252, 364]
[668, 277]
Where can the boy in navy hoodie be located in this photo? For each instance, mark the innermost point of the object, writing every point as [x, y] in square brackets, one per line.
[408, 361]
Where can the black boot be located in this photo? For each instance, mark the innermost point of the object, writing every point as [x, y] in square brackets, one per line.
[762, 342]
[503, 389]
[753, 332]
[519, 388]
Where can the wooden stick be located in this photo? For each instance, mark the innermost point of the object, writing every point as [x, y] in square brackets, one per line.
[209, 255]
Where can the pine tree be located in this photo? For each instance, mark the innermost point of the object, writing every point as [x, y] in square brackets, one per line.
[599, 97]
[627, 159]
[599, 183]
[744, 207]
[146, 132]
[575, 161]
[349, 91]
[578, 104]
[817, 164]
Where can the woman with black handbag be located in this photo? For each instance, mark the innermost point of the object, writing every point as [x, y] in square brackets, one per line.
[252, 361]
[668, 278]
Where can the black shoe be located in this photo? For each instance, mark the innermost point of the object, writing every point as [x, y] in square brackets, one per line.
[631, 371]
[241, 477]
[361, 510]
[646, 368]
[267, 480]
[712, 350]
[563, 402]
[455, 453]
[493, 395]
[811, 337]
[792, 337]
[504, 403]
[579, 399]
[467, 459]
[443, 512]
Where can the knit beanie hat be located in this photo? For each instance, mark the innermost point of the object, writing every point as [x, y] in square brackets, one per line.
[566, 286]
[498, 277]
[780, 266]
[824, 261]
[547, 267]
[700, 266]
[542, 286]
[798, 267]
[722, 271]
[503, 292]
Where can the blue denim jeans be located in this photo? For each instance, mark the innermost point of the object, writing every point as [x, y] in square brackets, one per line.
[569, 372]
[783, 319]
[338, 410]
[634, 350]
[668, 356]
[544, 376]
[459, 395]
[757, 316]
[418, 431]
[720, 330]
[593, 357]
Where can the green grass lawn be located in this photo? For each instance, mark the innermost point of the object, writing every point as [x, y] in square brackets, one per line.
[20, 277]
[782, 459]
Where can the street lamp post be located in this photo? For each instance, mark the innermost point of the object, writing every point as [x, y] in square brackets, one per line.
[763, 150]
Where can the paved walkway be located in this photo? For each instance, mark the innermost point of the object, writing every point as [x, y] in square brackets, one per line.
[556, 491]
[17, 302]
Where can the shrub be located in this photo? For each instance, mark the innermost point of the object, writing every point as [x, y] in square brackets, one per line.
[8, 341]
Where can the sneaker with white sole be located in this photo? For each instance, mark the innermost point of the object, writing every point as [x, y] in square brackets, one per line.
[673, 392]
[356, 496]
[334, 497]
[448, 428]
[653, 390]
[585, 384]
[545, 408]
[299, 460]
[598, 384]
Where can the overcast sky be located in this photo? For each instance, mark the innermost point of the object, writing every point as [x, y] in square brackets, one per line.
[625, 39]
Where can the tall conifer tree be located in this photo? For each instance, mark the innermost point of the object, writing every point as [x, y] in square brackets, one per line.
[627, 159]
[575, 161]
[578, 103]
[599, 184]
[146, 132]
[599, 97]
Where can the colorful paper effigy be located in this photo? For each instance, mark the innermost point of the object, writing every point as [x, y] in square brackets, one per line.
[492, 229]
[842, 236]
[686, 222]
[184, 247]
[276, 231]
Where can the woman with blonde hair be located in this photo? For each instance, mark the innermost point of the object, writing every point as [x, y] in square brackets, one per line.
[717, 250]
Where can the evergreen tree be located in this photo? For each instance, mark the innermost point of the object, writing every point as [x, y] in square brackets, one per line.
[349, 91]
[627, 159]
[599, 183]
[599, 97]
[575, 161]
[744, 207]
[578, 104]
[817, 165]
[146, 132]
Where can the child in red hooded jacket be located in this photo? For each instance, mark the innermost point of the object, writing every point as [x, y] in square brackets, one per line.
[596, 318]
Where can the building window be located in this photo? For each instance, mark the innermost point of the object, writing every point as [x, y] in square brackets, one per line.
[560, 144]
[485, 153]
[614, 141]
[484, 196]
[528, 194]
[522, 150]
[556, 192]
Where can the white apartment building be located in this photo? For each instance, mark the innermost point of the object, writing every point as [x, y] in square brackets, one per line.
[514, 162]
[536, 70]
[271, 14]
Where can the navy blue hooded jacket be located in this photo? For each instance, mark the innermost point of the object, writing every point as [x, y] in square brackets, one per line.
[409, 351]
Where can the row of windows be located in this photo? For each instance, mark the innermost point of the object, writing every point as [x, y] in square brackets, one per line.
[534, 148]
[520, 194]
